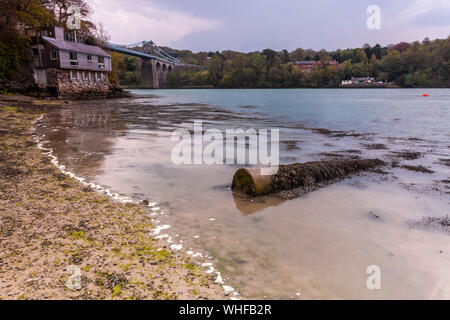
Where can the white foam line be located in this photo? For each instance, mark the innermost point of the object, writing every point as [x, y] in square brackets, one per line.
[158, 229]
[163, 236]
[197, 255]
[153, 206]
[176, 247]
[228, 289]
[219, 278]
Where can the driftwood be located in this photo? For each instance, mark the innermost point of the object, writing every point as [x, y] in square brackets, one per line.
[299, 175]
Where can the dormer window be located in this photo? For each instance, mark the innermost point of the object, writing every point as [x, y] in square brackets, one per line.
[89, 58]
[73, 58]
[101, 62]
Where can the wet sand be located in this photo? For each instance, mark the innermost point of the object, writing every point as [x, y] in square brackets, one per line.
[54, 229]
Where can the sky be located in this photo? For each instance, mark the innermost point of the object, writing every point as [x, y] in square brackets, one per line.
[250, 25]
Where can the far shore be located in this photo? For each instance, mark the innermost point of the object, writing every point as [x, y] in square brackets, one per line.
[316, 88]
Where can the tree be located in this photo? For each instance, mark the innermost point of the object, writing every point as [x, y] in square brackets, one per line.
[359, 70]
[409, 81]
[215, 67]
[15, 17]
[60, 8]
[393, 65]
[270, 56]
[360, 57]
[285, 56]
[298, 55]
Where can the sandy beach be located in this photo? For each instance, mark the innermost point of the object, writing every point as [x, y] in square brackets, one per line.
[62, 240]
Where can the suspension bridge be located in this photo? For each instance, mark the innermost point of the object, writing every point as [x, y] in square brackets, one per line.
[156, 63]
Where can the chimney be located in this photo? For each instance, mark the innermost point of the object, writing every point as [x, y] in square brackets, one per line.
[59, 33]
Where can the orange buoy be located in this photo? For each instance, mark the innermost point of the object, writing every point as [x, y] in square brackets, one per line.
[425, 95]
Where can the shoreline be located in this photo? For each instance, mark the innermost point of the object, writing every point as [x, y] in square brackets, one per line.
[63, 240]
[287, 88]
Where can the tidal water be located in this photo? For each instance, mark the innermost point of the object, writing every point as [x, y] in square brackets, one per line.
[315, 246]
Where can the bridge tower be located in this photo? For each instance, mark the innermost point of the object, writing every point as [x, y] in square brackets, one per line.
[155, 73]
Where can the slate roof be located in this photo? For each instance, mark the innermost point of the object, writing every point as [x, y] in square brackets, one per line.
[76, 47]
[305, 62]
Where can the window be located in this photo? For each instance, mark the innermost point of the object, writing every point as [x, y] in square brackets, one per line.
[73, 58]
[35, 52]
[99, 76]
[89, 57]
[54, 55]
[73, 75]
[86, 76]
[101, 62]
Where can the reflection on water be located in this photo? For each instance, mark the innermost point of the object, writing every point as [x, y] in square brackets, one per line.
[319, 245]
[248, 205]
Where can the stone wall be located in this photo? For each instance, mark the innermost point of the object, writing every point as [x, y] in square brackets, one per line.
[79, 88]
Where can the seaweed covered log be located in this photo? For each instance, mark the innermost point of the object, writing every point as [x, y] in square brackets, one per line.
[299, 175]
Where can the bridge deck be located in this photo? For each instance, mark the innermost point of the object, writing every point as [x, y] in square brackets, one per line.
[136, 53]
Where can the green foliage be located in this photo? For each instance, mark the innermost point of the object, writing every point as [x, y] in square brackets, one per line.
[14, 45]
[13, 54]
[404, 64]
[125, 69]
[189, 78]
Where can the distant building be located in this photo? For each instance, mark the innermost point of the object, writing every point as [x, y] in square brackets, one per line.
[364, 80]
[306, 65]
[309, 65]
[66, 66]
[355, 81]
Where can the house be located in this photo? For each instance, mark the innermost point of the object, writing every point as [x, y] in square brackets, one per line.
[306, 65]
[309, 65]
[364, 80]
[67, 67]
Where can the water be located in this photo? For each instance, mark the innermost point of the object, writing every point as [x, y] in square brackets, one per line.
[390, 112]
[315, 246]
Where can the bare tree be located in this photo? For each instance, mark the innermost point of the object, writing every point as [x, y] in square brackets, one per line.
[60, 9]
[101, 36]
